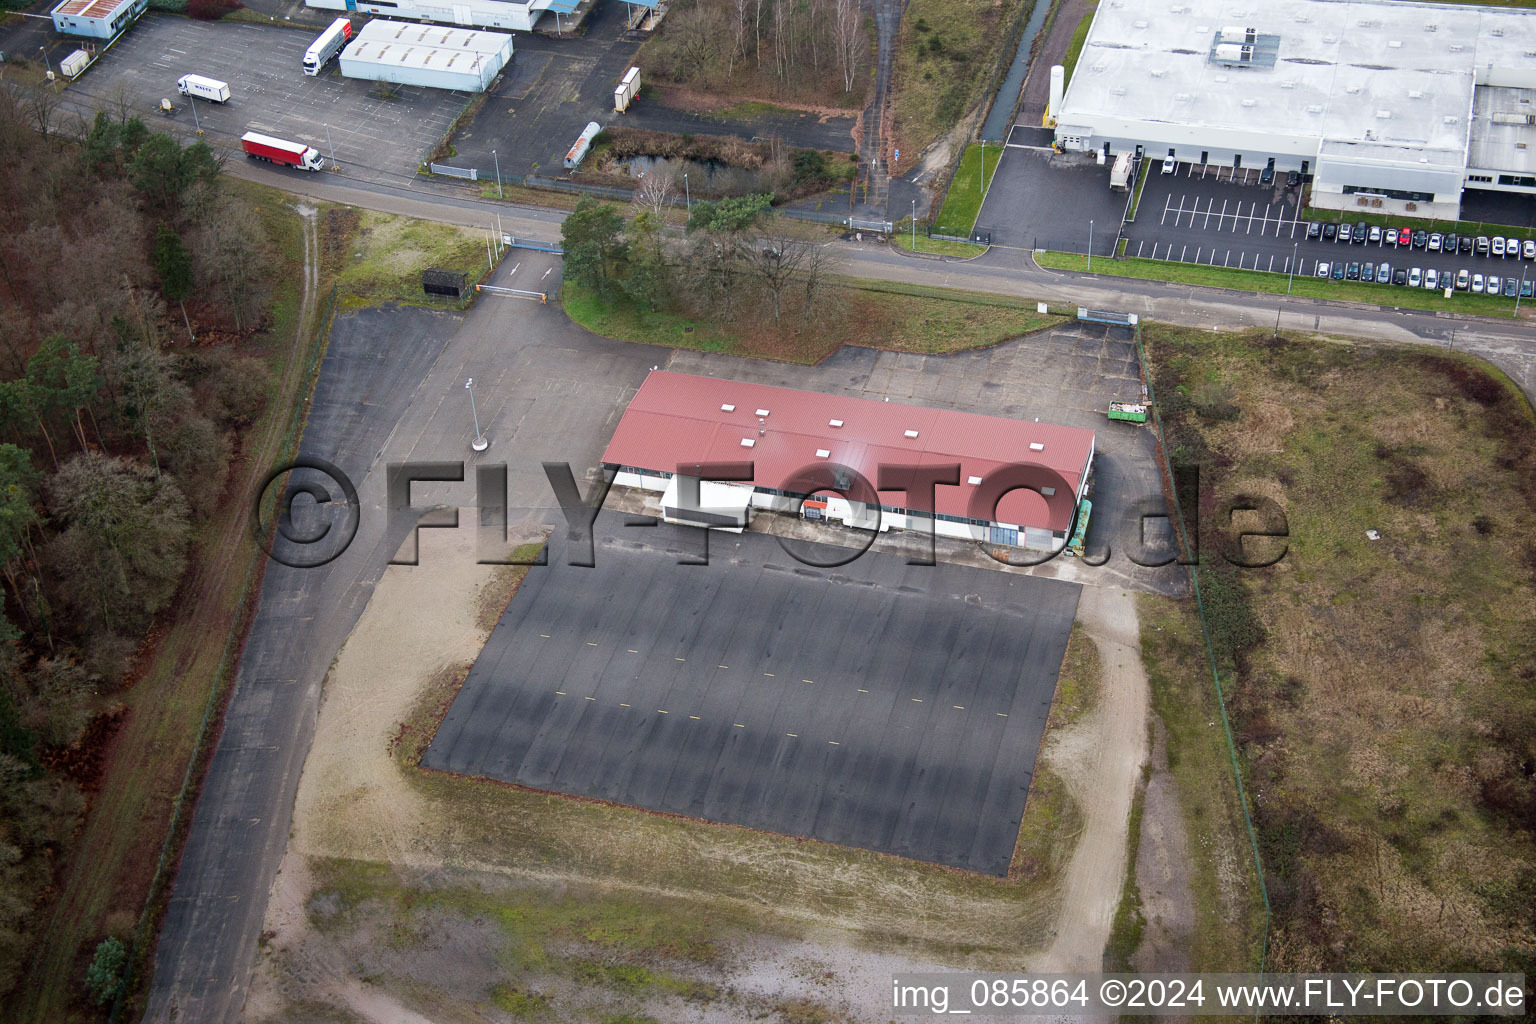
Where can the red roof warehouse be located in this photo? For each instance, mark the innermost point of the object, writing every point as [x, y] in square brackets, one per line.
[679, 419]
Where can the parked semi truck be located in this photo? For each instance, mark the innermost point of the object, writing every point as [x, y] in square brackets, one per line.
[210, 89]
[327, 45]
[1120, 173]
[281, 151]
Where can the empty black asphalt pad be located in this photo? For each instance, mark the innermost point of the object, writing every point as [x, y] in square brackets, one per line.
[881, 705]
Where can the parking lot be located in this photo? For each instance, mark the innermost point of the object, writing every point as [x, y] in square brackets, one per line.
[1202, 215]
[1044, 200]
[881, 705]
[372, 137]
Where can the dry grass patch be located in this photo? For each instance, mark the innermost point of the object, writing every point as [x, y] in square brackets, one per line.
[1384, 698]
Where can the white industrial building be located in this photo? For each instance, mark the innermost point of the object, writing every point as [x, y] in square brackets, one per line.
[518, 15]
[1394, 107]
[434, 56]
[96, 19]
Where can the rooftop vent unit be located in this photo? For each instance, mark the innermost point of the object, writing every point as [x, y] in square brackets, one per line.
[1496, 32]
[1140, 23]
[1158, 72]
[1352, 90]
[1288, 84]
[1302, 19]
[973, 480]
[1237, 34]
[1118, 90]
[1313, 108]
[748, 442]
[1230, 53]
[1184, 97]
[1415, 94]
[834, 423]
[1431, 28]
[1330, 38]
[1250, 102]
[1383, 115]
[1036, 446]
[761, 412]
[1506, 117]
[1457, 48]
[909, 433]
[1395, 44]
[727, 408]
[822, 453]
[1450, 119]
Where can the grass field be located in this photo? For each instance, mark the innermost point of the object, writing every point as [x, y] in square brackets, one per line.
[1381, 691]
[902, 318]
[389, 253]
[967, 189]
[937, 246]
[946, 53]
[104, 880]
[1261, 281]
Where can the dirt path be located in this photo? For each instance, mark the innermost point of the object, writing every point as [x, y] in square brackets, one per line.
[1106, 756]
[1162, 870]
[1037, 87]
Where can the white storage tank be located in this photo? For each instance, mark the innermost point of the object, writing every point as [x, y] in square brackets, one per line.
[583, 143]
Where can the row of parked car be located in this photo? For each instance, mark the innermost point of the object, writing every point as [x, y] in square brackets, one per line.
[1429, 241]
[1431, 278]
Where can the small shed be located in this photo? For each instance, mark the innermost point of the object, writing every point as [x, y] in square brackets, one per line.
[447, 283]
[97, 19]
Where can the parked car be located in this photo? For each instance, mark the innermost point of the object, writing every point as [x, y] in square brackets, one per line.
[1314, 229]
[1464, 244]
[1400, 277]
[1375, 235]
[1404, 236]
[1384, 274]
[1368, 273]
[1330, 231]
[1482, 245]
[1494, 284]
[1420, 238]
[1512, 248]
[1338, 271]
[1352, 272]
[1477, 284]
[1498, 245]
[1463, 279]
[1431, 279]
[1344, 232]
[1389, 236]
[1511, 287]
[1449, 245]
[1528, 248]
[1359, 234]
[1526, 287]
[1323, 270]
[1435, 238]
[1267, 176]
[1169, 165]
[1292, 179]
[1416, 278]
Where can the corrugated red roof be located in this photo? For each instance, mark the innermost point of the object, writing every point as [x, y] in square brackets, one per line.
[677, 418]
[88, 8]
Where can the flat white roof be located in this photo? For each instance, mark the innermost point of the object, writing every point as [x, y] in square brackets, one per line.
[1396, 78]
[1501, 138]
[437, 37]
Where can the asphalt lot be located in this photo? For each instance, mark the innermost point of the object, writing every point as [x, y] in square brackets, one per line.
[270, 93]
[1194, 216]
[880, 705]
[1032, 188]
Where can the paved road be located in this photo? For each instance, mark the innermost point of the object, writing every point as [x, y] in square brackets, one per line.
[1509, 345]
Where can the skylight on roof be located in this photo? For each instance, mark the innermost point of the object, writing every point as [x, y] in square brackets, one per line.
[727, 408]
[748, 442]
[761, 412]
[834, 423]
[822, 453]
[1036, 446]
[973, 480]
[910, 433]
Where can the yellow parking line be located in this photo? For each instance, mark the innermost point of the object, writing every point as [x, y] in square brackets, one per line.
[544, 635]
[807, 680]
[768, 674]
[958, 707]
[591, 644]
[591, 698]
[560, 692]
[633, 651]
[738, 725]
[661, 712]
[863, 691]
[722, 666]
[834, 743]
[999, 714]
[679, 659]
[623, 705]
[918, 699]
[794, 734]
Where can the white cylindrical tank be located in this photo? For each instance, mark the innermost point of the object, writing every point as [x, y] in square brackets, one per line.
[1058, 88]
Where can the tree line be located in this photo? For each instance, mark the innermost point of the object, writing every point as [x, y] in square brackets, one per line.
[735, 259]
[803, 49]
[115, 435]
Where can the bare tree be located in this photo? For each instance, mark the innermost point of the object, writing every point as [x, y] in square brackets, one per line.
[848, 34]
[657, 191]
[776, 257]
[814, 272]
[738, 34]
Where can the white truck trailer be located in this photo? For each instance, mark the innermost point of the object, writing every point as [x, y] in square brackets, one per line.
[1120, 173]
[210, 89]
[327, 45]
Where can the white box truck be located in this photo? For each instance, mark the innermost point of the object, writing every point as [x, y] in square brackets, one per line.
[327, 45]
[210, 89]
[1120, 174]
[626, 90]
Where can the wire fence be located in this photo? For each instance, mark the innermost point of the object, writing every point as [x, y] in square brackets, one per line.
[182, 805]
[1188, 555]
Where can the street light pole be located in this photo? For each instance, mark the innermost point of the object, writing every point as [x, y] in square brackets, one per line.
[687, 195]
[331, 146]
[49, 65]
[1090, 247]
[981, 175]
[498, 173]
[914, 226]
[192, 102]
[1294, 250]
[1519, 290]
[479, 444]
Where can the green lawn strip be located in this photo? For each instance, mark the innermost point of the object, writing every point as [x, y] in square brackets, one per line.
[1141, 183]
[390, 252]
[1075, 46]
[1261, 281]
[966, 190]
[748, 110]
[1129, 923]
[936, 246]
[1459, 227]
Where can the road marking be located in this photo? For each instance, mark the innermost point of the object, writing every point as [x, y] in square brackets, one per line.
[768, 674]
[661, 712]
[589, 698]
[591, 644]
[633, 651]
[737, 725]
[1186, 249]
[545, 274]
[807, 680]
[1142, 243]
[1166, 200]
[722, 666]
[999, 714]
[694, 717]
[560, 692]
[544, 635]
[958, 707]
[623, 705]
[863, 691]
[514, 268]
[679, 659]
[834, 743]
[917, 699]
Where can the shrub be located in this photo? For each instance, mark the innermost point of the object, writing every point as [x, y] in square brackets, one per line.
[211, 10]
